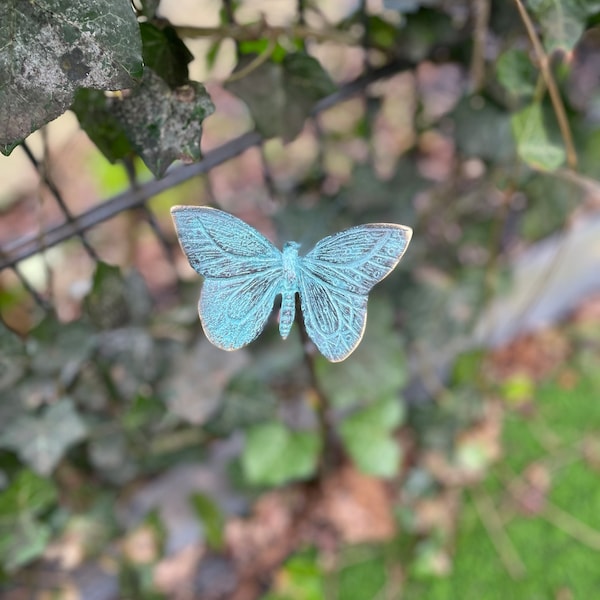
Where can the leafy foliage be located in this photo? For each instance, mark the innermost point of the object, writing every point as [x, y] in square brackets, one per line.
[23, 535]
[42, 441]
[562, 21]
[533, 144]
[274, 455]
[49, 49]
[281, 95]
[367, 437]
[461, 140]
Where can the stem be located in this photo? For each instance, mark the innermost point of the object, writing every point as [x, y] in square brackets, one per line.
[322, 406]
[257, 31]
[481, 9]
[557, 103]
[254, 63]
[493, 524]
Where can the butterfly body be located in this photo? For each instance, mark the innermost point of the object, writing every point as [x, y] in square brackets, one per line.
[244, 274]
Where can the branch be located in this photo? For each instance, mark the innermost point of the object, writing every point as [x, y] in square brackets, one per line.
[557, 103]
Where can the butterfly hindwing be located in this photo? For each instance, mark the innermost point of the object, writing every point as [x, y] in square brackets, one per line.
[334, 319]
[336, 277]
[242, 272]
[234, 311]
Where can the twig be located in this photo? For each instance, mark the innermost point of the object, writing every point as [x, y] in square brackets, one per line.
[26, 246]
[322, 408]
[566, 522]
[481, 10]
[491, 521]
[260, 30]
[256, 62]
[557, 103]
[44, 176]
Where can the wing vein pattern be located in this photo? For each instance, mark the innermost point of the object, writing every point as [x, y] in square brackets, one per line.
[242, 273]
[336, 277]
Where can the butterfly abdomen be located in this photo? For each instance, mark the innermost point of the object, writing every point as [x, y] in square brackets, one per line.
[287, 313]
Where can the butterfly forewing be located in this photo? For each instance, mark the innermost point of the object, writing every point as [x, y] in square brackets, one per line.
[218, 244]
[242, 271]
[336, 276]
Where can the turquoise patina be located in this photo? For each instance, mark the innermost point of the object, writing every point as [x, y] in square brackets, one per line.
[244, 273]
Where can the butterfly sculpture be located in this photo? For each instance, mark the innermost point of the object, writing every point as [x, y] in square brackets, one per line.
[244, 273]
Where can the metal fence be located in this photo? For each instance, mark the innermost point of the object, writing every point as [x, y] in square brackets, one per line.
[138, 195]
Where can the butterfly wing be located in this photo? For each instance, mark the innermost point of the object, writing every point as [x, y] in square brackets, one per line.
[242, 271]
[336, 277]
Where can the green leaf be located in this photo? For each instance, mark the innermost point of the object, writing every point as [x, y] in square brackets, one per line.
[25, 541]
[483, 130]
[377, 369]
[194, 387]
[274, 455]
[301, 578]
[13, 358]
[550, 200]
[163, 124]
[362, 580]
[562, 21]
[382, 33]
[165, 54]
[247, 400]
[28, 493]
[467, 368]
[533, 144]
[212, 519]
[143, 411]
[367, 437]
[281, 95]
[49, 48]
[115, 299]
[516, 73]
[22, 537]
[41, 441]
[56, 347]
[149, 8]
[102, 127]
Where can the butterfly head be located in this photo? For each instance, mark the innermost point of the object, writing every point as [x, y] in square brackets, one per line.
[290, 246]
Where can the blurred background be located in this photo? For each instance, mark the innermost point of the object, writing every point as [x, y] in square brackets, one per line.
[455, 454]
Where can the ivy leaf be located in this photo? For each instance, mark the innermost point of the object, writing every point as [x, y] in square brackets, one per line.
[149, 8]
[562, 21]
[101, 126]
[13, 358]
[377, 368]
[213, 520]
[164, 124]
[274, 455]
[116, 299]
[367, 437]
[165, 54]
[193, 389]
[41, 441]
[483, 131]
[281, 95]
[28, 493]
[533, 144]
[61, 348]
[49, 48]
[516, 73]
[22, 536]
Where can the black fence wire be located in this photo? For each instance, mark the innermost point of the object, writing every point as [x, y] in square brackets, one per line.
[136, 197]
